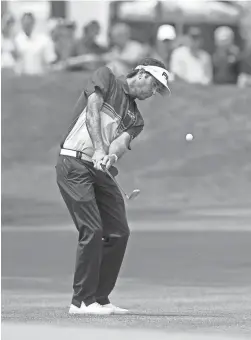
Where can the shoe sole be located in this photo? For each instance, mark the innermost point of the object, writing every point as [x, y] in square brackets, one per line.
[88, 313]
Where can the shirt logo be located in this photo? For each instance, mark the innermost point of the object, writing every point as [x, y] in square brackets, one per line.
[131, 115]
[127, 121]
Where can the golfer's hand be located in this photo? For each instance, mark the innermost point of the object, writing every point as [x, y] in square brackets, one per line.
[108, 161]
[97, 158]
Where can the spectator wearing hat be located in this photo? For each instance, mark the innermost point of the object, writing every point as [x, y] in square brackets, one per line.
[35, 51]
[190, 62]
[226, 58]
[164, 47]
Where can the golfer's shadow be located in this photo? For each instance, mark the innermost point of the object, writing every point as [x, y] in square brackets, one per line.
[150, 314]
[170, 315]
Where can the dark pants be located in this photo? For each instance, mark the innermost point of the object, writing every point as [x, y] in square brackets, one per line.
[98, 211]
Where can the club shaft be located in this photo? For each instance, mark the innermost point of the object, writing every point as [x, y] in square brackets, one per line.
[115, 181]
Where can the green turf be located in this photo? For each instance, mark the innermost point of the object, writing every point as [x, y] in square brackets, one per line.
[174, 309]
[171, 281]
[173, 175]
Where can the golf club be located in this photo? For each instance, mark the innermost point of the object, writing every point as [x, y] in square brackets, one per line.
[133, 194]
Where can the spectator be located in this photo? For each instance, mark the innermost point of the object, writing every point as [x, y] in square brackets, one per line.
[244, 79]
[87, 43]
[191, 63]
[125, 52]
[65, 42]
[62, 33]
[35, 51]
[226, 58]
[54, 31]
[166, 36]
[8, 50]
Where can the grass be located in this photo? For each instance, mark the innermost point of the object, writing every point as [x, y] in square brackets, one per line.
[174, 309]
[191, 282]
[173, 175]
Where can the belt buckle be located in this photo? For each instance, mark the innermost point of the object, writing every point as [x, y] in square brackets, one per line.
[78, 154]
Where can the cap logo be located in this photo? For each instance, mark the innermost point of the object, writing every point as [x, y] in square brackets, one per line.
[165, 75]
[161, 74]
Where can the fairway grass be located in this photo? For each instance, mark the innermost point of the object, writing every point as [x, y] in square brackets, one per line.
[13, 331]
[212, 171]
[198, 310]
[189, 281]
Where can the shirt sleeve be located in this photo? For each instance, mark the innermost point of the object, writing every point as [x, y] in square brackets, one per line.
[134, 132]
[138, 126]
[102, 79]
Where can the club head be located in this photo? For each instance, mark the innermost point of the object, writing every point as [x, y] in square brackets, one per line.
[134, 194]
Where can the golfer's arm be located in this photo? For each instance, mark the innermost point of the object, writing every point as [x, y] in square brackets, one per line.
[93, 119]
[120, 145]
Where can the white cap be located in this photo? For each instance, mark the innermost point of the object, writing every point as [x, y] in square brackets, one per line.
[161, 74]
[223, 33]
[166, 32]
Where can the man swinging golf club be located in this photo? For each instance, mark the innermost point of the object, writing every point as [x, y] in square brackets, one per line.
[106, 120]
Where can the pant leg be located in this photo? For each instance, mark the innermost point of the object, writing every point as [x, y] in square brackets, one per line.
[115, 232]
[75, 181]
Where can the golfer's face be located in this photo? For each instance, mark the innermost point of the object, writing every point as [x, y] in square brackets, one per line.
[148, 86]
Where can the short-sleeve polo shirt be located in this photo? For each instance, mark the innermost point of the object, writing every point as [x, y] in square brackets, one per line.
[119, 113]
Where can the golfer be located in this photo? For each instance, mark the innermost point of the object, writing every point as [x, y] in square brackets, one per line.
[106, 121]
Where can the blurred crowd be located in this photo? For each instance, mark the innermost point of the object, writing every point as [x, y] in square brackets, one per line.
[24, 51]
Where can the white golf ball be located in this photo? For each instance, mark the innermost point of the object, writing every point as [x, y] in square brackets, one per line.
[189, 137]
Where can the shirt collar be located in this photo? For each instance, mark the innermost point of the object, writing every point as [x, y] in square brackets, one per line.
[125, 86]
[24, 36]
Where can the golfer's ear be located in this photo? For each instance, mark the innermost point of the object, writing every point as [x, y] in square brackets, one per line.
[141, 73]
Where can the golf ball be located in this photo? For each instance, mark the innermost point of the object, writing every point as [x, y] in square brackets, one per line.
[189, 137]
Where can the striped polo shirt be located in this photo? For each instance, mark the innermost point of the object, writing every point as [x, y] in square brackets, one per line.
[119, 113]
